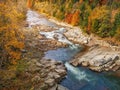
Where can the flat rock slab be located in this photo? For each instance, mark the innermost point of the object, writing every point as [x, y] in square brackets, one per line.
[99, 58]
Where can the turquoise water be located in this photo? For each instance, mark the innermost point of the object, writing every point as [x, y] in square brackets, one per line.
[81, 78]
[62, 54]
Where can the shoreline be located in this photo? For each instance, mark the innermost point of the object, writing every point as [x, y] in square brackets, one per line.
[94, 42]
[106, 56]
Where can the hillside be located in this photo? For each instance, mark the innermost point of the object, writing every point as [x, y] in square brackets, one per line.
[101, 17]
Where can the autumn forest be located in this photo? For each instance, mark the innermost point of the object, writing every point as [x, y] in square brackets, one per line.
[98, 17]
[93, 16]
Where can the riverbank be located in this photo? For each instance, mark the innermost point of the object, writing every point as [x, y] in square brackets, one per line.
[43, 73]
[101, 55]
[103, 49]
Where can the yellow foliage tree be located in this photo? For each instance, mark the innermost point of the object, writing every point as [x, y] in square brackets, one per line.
[75, 18]
[10, 42]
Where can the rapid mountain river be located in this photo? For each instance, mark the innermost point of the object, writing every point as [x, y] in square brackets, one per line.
[77, 78]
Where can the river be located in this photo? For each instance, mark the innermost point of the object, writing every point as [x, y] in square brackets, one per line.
[77, 78]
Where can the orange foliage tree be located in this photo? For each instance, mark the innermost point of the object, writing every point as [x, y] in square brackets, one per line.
[30, 3]
[72, 18]
[75, 18]
[68, 18]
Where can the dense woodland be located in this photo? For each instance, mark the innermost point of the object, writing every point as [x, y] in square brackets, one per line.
[101, 17]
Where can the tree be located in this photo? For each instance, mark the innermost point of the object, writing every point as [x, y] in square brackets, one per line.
[75, 18]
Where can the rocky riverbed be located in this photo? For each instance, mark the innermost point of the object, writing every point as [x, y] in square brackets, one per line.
[45, 73]
[41, 37]
[100, 54]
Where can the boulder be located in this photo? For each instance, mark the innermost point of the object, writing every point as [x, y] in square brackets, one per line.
[54, 87]
[60, 87]
[85, 63]
[99, 58]
[50, 81]
[61, 72]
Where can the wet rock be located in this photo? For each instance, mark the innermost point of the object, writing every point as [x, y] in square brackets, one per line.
[99, 58]
[55, 62]
[115, 68]
[85, 64]
[61, 67]
[60, 87]
[50, 82]
[54, 87]
[59, 63]
[115, 57]
[75, 63]
[55, 36]
[110, 67]
[61, 72]
[99, 69]
[117, 62]
[108, 64]
[56, 76]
